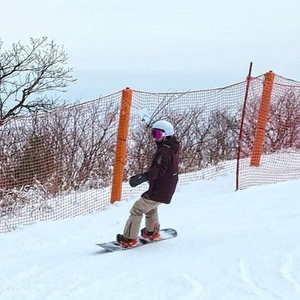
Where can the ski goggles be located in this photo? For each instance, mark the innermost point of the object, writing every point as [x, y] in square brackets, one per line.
[156, 134]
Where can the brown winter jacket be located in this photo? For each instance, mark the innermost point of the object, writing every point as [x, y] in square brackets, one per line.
[163, 171]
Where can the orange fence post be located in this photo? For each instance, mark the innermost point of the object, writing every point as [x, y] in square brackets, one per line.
[120, 152]
[262, 119]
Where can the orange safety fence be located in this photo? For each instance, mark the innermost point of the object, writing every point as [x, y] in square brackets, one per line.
[77, 160]
[270, 139]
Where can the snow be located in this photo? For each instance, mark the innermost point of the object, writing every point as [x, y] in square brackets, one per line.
[230, 245]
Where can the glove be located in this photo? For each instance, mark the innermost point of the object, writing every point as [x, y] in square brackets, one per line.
[138, 179]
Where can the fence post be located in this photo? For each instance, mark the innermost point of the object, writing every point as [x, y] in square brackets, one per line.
[248, 80]
[262, 119]
[120, 152]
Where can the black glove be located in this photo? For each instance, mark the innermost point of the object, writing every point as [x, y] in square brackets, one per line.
[138, 179]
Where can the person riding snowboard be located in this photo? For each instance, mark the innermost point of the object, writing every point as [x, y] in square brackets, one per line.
[162, 176]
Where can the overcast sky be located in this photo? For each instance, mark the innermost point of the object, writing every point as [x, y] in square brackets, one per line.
[160, 45]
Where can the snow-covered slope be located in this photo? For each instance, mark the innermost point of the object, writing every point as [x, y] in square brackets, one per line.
[230, 245]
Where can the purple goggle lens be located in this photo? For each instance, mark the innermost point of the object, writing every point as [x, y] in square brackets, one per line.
[156, 134]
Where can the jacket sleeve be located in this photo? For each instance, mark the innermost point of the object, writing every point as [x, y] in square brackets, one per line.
[160, 164]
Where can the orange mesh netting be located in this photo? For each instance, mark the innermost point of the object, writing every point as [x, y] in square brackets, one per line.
[65, 163]
[58, 164]
[206, 123]
[277, 158]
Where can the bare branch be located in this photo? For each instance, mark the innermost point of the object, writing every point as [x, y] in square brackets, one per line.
[27, 72]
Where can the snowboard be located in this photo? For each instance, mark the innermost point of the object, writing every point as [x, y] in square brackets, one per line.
[165, 234]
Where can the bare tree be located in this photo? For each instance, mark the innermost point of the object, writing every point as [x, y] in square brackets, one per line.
[27, 72]
[282, 131]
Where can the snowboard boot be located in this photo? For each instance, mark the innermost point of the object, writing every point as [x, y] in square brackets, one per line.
[150, 235]
[125, 242]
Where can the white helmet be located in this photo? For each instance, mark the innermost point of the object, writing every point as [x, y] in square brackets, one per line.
[165, 126]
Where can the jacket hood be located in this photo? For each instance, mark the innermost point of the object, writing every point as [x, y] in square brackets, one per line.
[172, 142]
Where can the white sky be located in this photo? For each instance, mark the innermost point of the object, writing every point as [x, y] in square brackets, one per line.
[162, 45]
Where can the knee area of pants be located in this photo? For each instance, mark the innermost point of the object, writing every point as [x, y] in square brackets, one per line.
[135, 212]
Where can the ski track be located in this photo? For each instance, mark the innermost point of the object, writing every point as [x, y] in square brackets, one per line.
[286, 271]
[248, 279]
[197, 289]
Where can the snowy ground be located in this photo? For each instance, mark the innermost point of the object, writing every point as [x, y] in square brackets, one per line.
[230, 245]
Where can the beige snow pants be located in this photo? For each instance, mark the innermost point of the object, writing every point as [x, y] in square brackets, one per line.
[140, 207]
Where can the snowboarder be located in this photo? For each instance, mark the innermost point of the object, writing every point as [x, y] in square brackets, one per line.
[162, 176]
